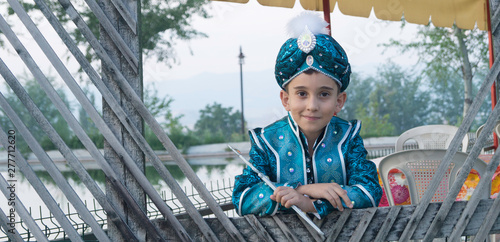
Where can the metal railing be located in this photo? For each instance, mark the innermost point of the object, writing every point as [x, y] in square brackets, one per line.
[221, 190]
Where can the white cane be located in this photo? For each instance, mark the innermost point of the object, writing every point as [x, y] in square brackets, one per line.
[270, 184]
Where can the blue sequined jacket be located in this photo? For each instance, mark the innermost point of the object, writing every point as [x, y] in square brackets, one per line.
[280, 152]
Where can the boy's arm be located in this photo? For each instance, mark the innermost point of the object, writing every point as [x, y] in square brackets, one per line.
[362, 187]
[250, 194]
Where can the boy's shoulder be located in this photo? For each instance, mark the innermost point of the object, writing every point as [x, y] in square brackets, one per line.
[278, 124]
[340, 121]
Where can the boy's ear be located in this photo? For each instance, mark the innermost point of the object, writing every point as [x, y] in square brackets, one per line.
[284, 99]
[341, 99]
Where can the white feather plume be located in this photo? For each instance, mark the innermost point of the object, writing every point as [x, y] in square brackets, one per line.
[314, 22]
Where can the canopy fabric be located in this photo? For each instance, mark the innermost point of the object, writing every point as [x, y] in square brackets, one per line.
[466, 14]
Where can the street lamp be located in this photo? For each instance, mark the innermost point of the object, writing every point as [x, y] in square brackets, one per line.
[242, 61]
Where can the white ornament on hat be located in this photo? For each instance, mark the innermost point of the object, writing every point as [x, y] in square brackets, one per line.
[306, 41]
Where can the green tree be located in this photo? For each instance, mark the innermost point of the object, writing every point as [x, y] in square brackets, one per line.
[160, 108]
[397, 93]
[45, 105]
[450, 50]
[218, 124]
[358, 94]
[162, 24]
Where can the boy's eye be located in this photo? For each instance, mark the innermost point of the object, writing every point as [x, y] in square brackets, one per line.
[301, 94]
[324, 94]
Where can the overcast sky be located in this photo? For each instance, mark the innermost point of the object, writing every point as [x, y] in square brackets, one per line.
[208, 69]
[211, 73]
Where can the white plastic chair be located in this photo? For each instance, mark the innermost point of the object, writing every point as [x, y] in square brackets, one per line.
[419, 166]
[489, 142]
[430, 137]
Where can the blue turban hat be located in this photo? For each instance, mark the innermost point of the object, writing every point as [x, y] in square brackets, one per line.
[312, 50]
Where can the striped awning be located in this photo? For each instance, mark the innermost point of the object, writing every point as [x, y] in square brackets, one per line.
[466, 14]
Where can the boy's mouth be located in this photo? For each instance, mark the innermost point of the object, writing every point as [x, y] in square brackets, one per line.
[311, 118]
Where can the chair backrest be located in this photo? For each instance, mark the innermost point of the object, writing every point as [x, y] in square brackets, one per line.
[419, 166]
[489, 141]
[430, 137]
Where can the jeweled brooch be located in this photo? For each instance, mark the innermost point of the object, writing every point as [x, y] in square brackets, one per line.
[306, 41]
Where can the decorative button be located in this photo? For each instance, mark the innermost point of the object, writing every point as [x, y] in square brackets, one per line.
[309, 60]
[261, 195]
[329, 160]
[291, 170]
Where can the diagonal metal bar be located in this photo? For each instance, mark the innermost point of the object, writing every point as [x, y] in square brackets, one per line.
[111, 31]
[23, 212]
[137, 102]
[484, 183]
[125, 14]
[40, 153]
[73, 161]
[489, 220]
[459, 181]
[12, 233]
[455, 143]
[48, 200]
[51, 168]
[139, 139]
[96, 154]
[107, 133]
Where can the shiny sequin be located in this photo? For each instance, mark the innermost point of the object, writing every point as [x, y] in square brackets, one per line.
[323, 145]
[261, 195]
[308, 170]
[289, 153]
[335, 132]
[320, 202]
[291, 170]
[281, 137]
[329, 160]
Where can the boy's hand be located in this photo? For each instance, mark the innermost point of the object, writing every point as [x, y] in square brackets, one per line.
[288, 196]
[332, 192]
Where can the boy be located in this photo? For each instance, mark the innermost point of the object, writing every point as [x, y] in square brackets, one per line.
[317, 160]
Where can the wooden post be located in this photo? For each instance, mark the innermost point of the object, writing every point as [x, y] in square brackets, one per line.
[134, 76]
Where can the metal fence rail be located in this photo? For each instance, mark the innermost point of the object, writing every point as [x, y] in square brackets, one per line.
[221, 190]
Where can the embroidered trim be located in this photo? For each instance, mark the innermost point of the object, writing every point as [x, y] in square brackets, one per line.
[367, 193]
[278, 177]
[315, 172]
[241, 200]
[340, 151]
[297, 136]
[356, 130]
[255, 138]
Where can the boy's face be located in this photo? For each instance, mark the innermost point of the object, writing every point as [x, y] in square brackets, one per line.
[312, 100]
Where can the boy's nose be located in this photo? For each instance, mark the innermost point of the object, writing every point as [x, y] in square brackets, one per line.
[312, 104]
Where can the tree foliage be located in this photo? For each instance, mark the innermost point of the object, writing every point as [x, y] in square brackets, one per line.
[218, 124]
[163, 23]
[45, 105]
[449, 53]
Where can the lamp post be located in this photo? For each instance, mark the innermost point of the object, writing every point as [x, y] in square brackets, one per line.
[242, 57]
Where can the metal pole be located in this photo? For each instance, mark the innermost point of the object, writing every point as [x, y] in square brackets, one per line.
[241, 57]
